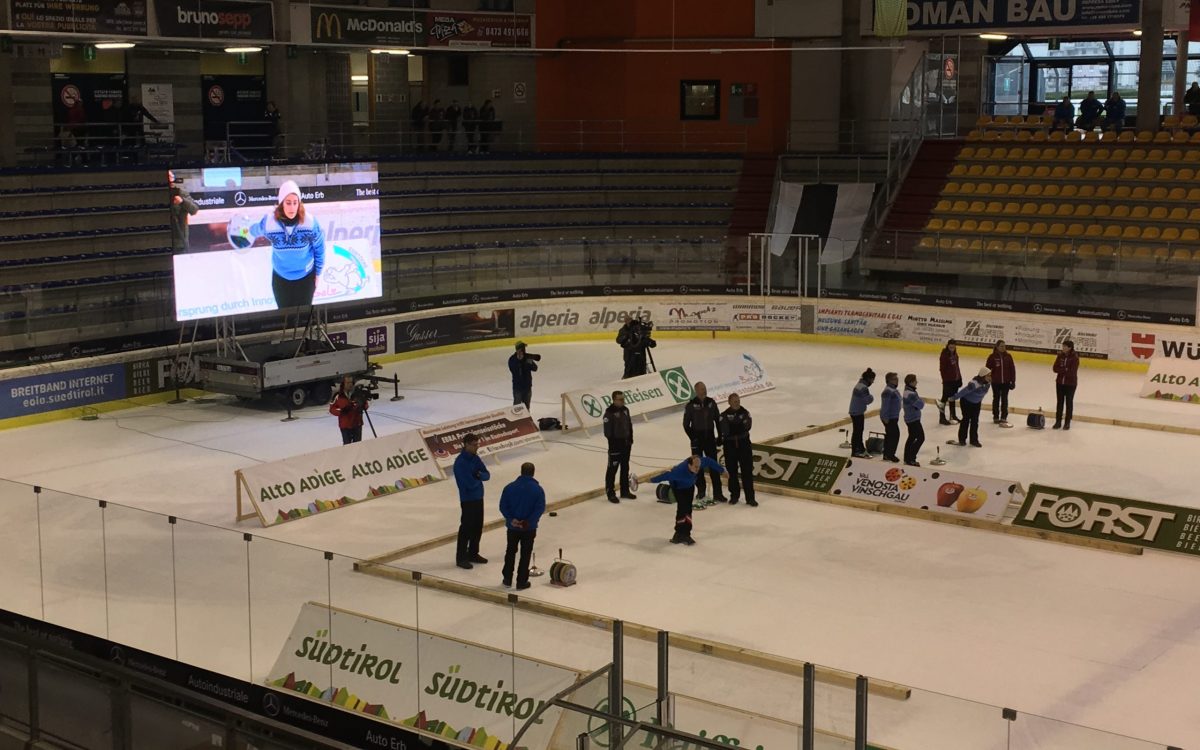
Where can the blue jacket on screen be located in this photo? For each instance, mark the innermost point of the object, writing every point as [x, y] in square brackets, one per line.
[889, 408]
[523, 499]
[973, 391]
[681, 477]
[859, 399]
[470, 474]
[913, 404]
[298, 250]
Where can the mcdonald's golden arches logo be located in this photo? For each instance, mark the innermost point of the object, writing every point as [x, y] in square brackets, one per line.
[329, 26]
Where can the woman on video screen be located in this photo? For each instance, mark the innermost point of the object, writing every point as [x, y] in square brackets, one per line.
[298, 248]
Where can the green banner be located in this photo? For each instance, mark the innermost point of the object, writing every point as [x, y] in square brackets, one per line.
[800, 470]
[1117, 519]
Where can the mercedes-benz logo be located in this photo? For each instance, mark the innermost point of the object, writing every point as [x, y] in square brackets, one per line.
[116, 654]
[271, 704]
[895, 298]
[475, 298]
[683, 289]
[1037, 308]
[239, 198]
[1120, 315]
[608, 290]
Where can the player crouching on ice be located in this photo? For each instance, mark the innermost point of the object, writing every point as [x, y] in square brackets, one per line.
[682, 481]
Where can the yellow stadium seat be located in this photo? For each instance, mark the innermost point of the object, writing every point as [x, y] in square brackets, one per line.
[1145, 136]
[1122, 192]
[1057, 136]
[1041, 173]
[1110, 173]
[1112, 231]
[1120, 211]
[1007, 136]
[1029, 209]
[951, 225]
[988, 136]
[991, 170]
[982, 188]
[1170, 234]
[945, 243]
[1162, 136]
[958, 170]
[1194, 195]
[1016, 189]
[1160, 253]
[1105, 251]
[1085, 250]
[1195, 138]
[1083, 211]
[1039, 228]
[1189, 121]
[1103, 154]
[1104, 191]
[1140, 253]
[1185, 174]
[1008, 171]
[1011, 209]
[1086, 192]
[1159, 213]
[1174, 156]
[1102, 211]
[1171, 121]
[1013, 246]
[1070, 191]
[1058, 173]
[1139, 213]
[994, 208]
[1075, 231]
[1091, 136]
[1166, 174]
[1082, 154]
[986, 226]
[1155, 154]
[1024, 172]
[976, 207]
[960, 245]
[959, 207]
[1094, 173]
[1076, 173]
[1178, 214]
[1003, 227]
[1051, 191]
[1034, 190]
[1140, 193]
[1016, 153]
[1191, 155]
[1039, 136]
[951, 188]
[1182, 255]
[1176, 195]
[1148, 173]
[1064, 210]
[1136, 154]
[1194, 215]
[942, 207]
[1131, 233]
[1049, 153]
[994, 246]
[1126, 136]
[969, 225]
[1151, 234]
[1020, 227]
[983, 121]
[1046, 209]
[927, 243]
[1158, 194]
[999, 153]
[1024, 136]
[1190, 235]
[934, 225]
[1129, 173]
[969, 152]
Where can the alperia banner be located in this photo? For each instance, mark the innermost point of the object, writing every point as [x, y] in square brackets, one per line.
[1117, 519]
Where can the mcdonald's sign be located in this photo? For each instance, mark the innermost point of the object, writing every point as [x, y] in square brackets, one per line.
[327, 25]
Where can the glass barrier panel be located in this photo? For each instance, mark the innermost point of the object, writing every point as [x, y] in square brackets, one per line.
[72, 554]
[21, 586]
[1031, 732]
[932, 721]
[212, 598]
[285, 579]
[141, 593]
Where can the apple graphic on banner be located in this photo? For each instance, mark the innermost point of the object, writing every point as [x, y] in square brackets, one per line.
[948, 493]
[971, 500]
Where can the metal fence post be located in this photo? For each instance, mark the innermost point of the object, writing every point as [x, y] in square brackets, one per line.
[616, 684]
[807, 730]
[860, 713]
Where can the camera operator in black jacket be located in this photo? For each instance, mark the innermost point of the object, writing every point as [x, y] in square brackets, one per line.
[522, 365]
[700, 419]
[635, 337]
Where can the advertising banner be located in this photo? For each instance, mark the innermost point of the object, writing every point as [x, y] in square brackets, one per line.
[120, 17]
[457, 328]
[36, 394]
[926, 488]
[215, 19]
[159, 100]
[944, 16]
[407, 27]
[1174, 373]
[89, 101]
[237, 250]
[467, 692]
[682, 315]
[796, 469]
[479, 29]
[771, 316]
[1117, 519]
[670, 386]
[499, 430]
[313, 483]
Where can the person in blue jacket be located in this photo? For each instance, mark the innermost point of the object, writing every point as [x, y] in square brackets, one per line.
[913, 404]
[860, 399]
[522, 503]
[469, 475]
[1064, 115]
[298, 248]
[522, 365]
[971, 398]
[682, 480]
[889, 413]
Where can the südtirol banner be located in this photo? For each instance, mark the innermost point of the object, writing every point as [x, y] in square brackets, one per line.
[1174, 373]
[1116, 519]
[796, 469]
[925, 488]
[498, 430]
[737, 373]
[313, 483]
[465, 692]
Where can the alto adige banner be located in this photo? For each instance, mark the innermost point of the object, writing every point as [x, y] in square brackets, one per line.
[737, 373]
[312, 483]
[459, 690]
[499, 430]
[926, 488]
[1174, 373]
[1116, 519]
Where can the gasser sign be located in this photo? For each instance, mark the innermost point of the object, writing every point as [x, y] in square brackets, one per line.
[1117, 519]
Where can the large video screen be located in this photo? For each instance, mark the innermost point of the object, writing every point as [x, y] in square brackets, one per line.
[249, 239]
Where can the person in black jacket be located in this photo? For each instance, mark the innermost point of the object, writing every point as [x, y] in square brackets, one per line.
[700, 419]
[635, 337]
[522, 366]
[470, 120]
[618, 430]
[739, 458]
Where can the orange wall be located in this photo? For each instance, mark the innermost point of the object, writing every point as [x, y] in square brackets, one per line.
[644, 88]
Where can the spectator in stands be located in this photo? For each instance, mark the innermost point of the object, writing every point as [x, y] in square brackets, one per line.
[1114, 110]
[182, 206]
[272, 117]
[487, 126]
[971, 395]
[453, 118]
[133, 136]
[470, 117]
[889, 414]
[1066, 369]
[1191, 99]
[1064, 114]
[951, 381]
[437, 124]
[913, 404]
[298, 244]
[1004, 379]
[1090, 110]
[420, 113]
[860, 399]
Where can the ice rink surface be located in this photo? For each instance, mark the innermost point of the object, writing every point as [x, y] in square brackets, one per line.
[1096, 638]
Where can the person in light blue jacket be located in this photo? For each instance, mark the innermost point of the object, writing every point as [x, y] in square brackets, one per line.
[860, 399]
[913, 404]
[889, 413]
[682, 481]
[971, 397]
[298, 248]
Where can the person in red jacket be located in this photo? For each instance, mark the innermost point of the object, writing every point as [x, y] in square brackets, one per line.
[951, 381]
[1004, 379]
[1066, 368]
[348, 411]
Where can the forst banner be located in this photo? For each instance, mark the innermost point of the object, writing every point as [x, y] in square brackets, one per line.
[1174, 373]
[305, 485]
[670, 386]
[498, 430]
[1116, 519]
[926, 488]
[796, 469]
[466, 692]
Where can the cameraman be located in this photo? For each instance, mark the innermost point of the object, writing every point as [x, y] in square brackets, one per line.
[635, 337]
[348, 406]
[522, 365]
